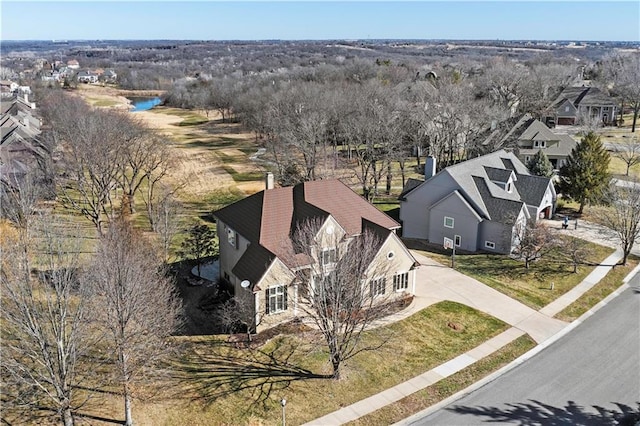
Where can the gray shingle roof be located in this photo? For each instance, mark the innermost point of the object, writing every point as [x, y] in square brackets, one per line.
[463, 173]
[532, 188]
[584, 96]
[498, 209]
[498, 175]
[476, 183]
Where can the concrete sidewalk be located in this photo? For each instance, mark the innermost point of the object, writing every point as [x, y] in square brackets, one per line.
[435, 283]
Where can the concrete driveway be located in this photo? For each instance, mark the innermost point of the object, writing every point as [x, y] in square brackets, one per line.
[435, 283]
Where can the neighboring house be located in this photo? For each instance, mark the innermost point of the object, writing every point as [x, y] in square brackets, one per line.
[87, 77]
[256, 247]
[576, 102]
[109, 76]
[528, 136]
[8, 86]
[73, 64]
[20, 146]
[479, 204]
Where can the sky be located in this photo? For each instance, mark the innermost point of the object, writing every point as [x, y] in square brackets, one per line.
[320, 20]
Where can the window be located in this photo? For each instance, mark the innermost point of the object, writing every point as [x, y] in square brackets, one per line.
[539, 144]
[378, 286]
[231, 237]
[401, 281]
[328, 257]
[456, 240]
[527, 158]
[448, 222]
[276, 299]
[490, 244]
[566, 109]
[390, 255]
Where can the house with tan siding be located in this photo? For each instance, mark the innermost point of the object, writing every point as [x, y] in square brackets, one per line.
[256, 244]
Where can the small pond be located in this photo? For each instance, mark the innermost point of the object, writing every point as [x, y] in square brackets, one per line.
[144, 104]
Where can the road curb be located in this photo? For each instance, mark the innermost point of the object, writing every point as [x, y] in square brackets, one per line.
[522, 358]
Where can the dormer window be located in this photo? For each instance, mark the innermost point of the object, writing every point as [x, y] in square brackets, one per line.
[539, 144]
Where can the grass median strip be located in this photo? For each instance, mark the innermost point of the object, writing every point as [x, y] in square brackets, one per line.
[448, 386]
[606, 286]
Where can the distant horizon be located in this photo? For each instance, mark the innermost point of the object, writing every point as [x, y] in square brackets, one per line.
[322, 39]
[320, 20]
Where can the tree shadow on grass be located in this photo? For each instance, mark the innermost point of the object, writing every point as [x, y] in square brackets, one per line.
[215, 370]
[538, 413]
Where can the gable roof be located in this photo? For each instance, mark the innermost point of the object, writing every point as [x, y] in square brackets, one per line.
[538, 131]
[476, 181]
[532, 188]
[268, 219]
[464, 173]
[528, 128]
[499, 209]
[504, 131]
[583, 97]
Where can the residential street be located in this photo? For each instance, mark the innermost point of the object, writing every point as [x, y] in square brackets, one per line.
[589, 377]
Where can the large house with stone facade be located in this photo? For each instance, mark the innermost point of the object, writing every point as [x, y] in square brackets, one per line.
[258, 257]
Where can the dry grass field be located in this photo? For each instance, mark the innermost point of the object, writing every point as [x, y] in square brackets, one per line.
[200, 145]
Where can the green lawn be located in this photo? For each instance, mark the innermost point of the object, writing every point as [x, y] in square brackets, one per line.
[448, 386]
[611, 282]
[417, 345]
[618, 168]
[529, 286]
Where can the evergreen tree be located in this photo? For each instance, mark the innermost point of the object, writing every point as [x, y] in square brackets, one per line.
[585, 175]
[540, 165]
[201, 242]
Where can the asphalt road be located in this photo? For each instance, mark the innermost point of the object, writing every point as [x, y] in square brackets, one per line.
[591, 376]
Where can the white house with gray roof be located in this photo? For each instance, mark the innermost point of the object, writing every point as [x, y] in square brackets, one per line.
[480, 204]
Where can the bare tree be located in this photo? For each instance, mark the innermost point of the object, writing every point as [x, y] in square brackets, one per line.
[503, 81]
[163, 209]
[629, 154]
[340, 289]
[19, 205]
[145, 159]
[576, 251]
[44, 326]
[103, 153]
[624, 72]
[544, 82]
[238, 315]
[622, 214]
[534, 241]
[136, 306]
[91, 142]
[367, 129]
